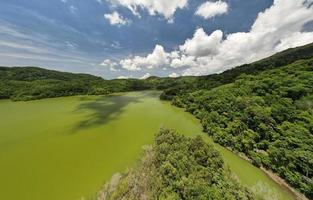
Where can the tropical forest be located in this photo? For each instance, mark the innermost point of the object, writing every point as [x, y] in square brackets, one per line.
[156, 100]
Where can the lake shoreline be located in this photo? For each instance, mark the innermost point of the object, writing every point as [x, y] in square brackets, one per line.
[273, 176]
[77, 124]
[270, 174]
[283, 183]
[276, 178]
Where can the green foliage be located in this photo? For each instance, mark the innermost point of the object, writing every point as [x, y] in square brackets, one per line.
[214, 80]
[267, 116]
[263, 109]
[19, 83]
[29, 83]
[178, 168]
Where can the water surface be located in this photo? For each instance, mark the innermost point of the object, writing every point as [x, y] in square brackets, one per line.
[66, 148]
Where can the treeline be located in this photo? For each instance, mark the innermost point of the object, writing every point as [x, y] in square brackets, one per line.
[268, 117]
[263, 109]
[211, 81]
[29, 83]
[175, 168]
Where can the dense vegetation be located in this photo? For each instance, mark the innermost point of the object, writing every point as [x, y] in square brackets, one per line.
[29, 83]
[210, 81]
[175, 168]
[268, 116]
[263, 109]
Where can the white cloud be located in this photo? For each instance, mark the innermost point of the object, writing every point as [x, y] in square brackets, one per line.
[166, 8]
[115, 19]
[201, 44]
[147, 75]
[184, 61]
[173, 75]
[211, 9]
[130, 64]
[158, 58]
[296, 39]
[272, 31]
[18, 48]
[110, 64]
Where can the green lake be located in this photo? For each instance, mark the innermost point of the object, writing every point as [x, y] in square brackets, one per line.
[66, 148]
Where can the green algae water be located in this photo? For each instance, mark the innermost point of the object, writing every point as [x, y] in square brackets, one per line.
[66, 148]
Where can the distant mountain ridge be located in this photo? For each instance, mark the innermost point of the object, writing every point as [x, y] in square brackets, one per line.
[28, 83]
[35, 73]
[275, 61]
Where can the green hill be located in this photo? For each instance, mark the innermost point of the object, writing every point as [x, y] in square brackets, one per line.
[267, 116]
[210, 81]
[28, 83]
[177, 167]
[263, 109]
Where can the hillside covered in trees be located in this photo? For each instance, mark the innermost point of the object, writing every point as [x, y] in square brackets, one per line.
[29, 83]
[263, 110]
[268, 117]
[177, 167]
[210, 81]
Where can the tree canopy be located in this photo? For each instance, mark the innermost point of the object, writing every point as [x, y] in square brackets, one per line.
[268, 117]
[177, 168]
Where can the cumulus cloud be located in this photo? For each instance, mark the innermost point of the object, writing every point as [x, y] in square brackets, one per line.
[157, 58]
[183, 61]
[271, 32]
[115, 19]
[166, 8]
[131, 64]
[202, 44]
[211, 9]
[204, 53]
[295, 39]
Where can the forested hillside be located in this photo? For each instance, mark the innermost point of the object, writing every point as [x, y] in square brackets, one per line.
[268, 117]
[29, 83]
[210, 81]
[263, 110]
[177, 167]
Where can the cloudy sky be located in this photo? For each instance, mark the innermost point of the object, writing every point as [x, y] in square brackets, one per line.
[140, 38]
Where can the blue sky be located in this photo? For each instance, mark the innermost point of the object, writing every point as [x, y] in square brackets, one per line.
[128, 38]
